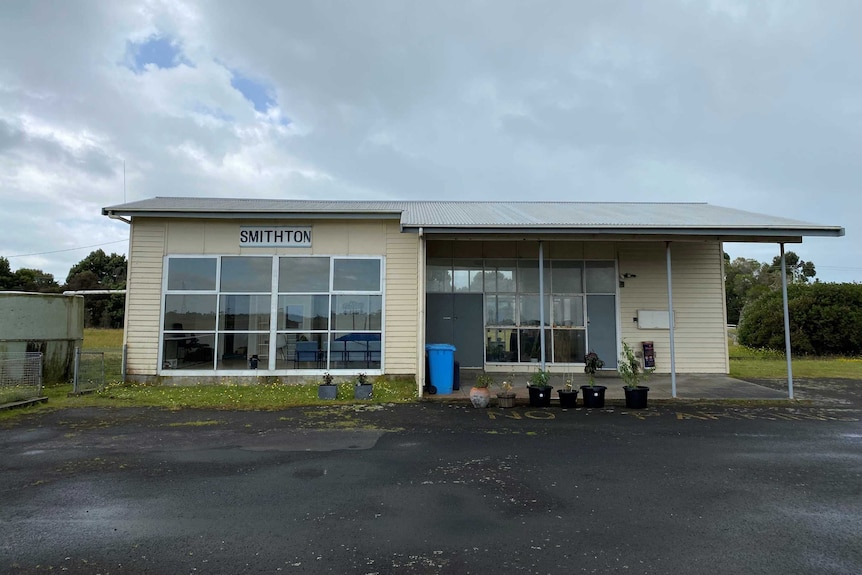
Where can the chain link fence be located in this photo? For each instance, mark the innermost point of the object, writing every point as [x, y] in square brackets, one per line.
[20, 376]
[89, 371]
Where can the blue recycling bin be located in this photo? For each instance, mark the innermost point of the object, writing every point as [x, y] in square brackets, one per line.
[441, 360]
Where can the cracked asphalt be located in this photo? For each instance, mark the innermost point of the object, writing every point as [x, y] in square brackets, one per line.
[682, 487]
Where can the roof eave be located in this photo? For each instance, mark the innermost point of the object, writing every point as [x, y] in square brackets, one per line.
[186, 214]
[730, 234]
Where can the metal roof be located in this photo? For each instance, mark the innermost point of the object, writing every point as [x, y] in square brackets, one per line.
[446, 217]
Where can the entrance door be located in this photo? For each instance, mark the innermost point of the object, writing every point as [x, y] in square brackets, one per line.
[457, 319]
[602, 328]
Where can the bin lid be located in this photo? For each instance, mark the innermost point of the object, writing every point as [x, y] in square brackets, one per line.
[439, 347]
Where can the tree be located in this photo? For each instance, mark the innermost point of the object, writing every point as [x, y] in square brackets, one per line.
[35, 280]
[26, 279]
[745, 280]
[110, 270]
[100, 271]
[7, 277]
[825, 319]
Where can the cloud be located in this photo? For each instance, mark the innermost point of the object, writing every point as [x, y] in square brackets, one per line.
[732, 103]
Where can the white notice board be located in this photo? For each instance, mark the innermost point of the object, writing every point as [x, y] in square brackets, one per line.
[653, 319]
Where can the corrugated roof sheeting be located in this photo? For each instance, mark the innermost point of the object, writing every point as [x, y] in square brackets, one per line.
[505, 215]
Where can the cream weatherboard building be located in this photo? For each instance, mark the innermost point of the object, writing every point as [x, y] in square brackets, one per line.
[239, 288]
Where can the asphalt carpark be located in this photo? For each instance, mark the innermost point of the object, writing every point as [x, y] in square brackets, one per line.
[685, 486]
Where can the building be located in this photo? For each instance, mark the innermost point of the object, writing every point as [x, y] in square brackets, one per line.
[240, 288]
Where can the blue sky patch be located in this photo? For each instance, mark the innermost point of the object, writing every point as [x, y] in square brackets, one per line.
[160, 51]
[258, 93]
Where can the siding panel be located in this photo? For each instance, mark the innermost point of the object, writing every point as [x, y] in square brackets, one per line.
[698, 294]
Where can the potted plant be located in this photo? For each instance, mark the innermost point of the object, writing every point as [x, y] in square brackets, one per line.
[480, 396]
[568, 395]
[506, 397]
[326, 389]
[539, 388]
[632, 374]
[362, 389]
[594, 395]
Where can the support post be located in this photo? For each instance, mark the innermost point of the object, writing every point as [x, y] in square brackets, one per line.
[421, 376]
[670, 323]
[786, 324]
[542, 303]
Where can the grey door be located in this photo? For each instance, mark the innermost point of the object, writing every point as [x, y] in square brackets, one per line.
[602, 328]
[457, 319]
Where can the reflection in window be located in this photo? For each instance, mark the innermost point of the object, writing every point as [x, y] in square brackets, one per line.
[357, 312]
[244, 312]
[356, 275]
[438, 276]
[303, 275]
[303, 312]
[566, 277]
[239, 327]
[601, 277]
[190, 312]
[192, 274]
[246, 274]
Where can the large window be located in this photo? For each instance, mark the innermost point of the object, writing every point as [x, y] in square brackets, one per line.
[237, 313]
[513, 315]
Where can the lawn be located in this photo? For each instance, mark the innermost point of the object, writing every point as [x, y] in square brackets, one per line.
[769, 364]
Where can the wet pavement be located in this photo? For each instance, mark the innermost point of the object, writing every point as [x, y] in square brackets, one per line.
[681, 487]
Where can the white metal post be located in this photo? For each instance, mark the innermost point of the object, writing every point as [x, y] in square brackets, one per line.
[542, 303]
[786, 324]
[670, 323]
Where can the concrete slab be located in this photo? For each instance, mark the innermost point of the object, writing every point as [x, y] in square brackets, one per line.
[688, 386]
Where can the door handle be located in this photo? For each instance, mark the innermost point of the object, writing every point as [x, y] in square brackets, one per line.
[447, 317]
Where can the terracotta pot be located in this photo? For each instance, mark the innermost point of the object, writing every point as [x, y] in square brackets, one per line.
[480, 396]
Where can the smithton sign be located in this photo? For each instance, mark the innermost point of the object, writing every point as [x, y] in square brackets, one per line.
[277, 237]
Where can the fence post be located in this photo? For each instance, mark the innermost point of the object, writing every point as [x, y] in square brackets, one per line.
[77, 369]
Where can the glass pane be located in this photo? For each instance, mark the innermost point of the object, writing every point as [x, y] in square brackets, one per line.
[192, 274]
[528, 276]
[568, 311]
[500, 275]
[500, 309]
[303, 275]
[190, 312]
[468, 276]
[567, 277]
[303, 312]
[244, 312]
[569, 345]
[601, 277]
[352, 312]
[300, 350]
[438, 276]
[528, 309]
[501, 345]
[246, 274]
[356, 275]
[355, 350]
[188, 351]
[529, 345]
[235, 350]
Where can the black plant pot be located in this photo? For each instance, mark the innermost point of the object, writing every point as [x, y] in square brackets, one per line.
[594, 396]
[568, 398]
[325, 391]
[362, 391]
[636, 398]
[540, 396]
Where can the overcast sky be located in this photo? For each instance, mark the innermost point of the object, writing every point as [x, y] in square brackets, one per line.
[755, 105]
